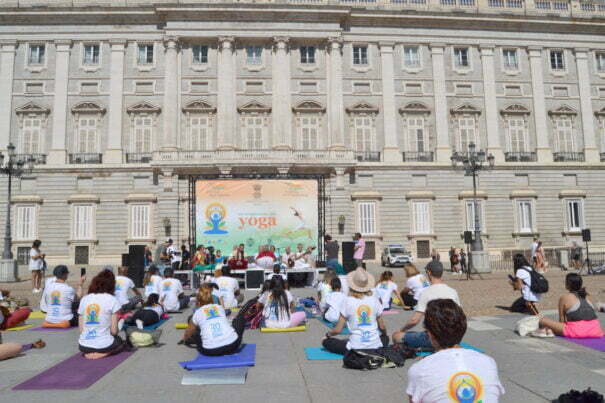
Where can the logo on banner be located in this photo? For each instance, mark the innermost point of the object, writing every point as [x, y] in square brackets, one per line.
[215, 216]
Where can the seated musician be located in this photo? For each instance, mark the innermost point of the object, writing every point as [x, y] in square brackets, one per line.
[238, 262]
[301, 257]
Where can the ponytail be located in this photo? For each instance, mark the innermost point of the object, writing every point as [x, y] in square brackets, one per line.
[582, 293]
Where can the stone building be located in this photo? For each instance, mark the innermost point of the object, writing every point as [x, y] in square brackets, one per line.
[120, 100]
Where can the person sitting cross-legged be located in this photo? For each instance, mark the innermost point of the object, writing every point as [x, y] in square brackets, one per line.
[452, 373]
[437, 290]
[62, 300]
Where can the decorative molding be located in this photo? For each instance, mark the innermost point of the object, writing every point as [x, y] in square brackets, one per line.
[515, 109]
[421, 194]
[563, 110]
[600, 113]
[415, 107]
[144, 107]
[199, 106]
[141, 197]
[83, 198]
[362, 107]
[366, 196]
[88, 107]
[309, 107]
[465, 109]
[254, 106]
[520, 194]
[572, 193]
[32, 107]
[26, 199]
[468, 194]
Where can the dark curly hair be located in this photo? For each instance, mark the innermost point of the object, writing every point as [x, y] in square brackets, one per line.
[445, 321]
[103, 283]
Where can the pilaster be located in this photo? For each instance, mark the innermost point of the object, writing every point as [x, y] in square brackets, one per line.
[114, 152]
[7, 66]
[335, 99]
[58, 150]
[443, 150]
[591, 153]
[282, 102]
[226, 108]
[391, 146]
[491, 107]
[543, 150]
[171, 103]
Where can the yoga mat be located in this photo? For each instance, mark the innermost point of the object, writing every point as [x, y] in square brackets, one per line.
[154, 326]
[390, 312]
[216, 376]
[245, 357]
[76, 372]
[345, 330]
[301, 328]
[462, 344]
[17, 328]
[37, 315]
[51, 329]
[320, 354]
[595, 344]
[181, 325]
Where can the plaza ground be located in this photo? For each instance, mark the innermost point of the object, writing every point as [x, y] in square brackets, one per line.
[531, 370]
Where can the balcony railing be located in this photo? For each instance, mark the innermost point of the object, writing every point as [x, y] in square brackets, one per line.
[367, 156]
[304, 156]
[419, 156]
[568, 157]
[520, 157]
[39, 159]
[85, 158]
[138, 158]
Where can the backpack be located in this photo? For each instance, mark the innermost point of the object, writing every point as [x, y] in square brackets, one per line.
[363, 360]
[252, 316]
[539, 283]
[143, 338]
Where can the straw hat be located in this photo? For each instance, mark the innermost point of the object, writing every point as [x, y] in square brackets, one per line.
[360, 280]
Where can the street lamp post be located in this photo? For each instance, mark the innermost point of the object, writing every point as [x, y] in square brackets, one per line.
[472, 161]
[11, 166]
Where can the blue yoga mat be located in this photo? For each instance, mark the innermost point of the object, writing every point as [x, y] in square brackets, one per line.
[320, 354]
[462, 344]
[331, 325]
[155, 325]
[245, 357]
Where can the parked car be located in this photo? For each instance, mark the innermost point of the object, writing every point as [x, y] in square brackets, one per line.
[395, 255]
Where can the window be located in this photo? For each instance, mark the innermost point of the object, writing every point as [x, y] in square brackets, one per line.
[367, 218]
[525, 216]
[309, 132]
[421, 217]
[199, 86]
[510, 60]
[200, 54]
[416, 134]
[253, 132]
[25, 223]
[411, 56]
[467, 133]
[145, 55]
[600, 56]
[517, 135]
[87, 135]
[564, 141]
[36, 54]
[254, 55]
[461, 57]
[34, 88]
[307, 54]
[143, 129]
[575, 215]
[360, 55]
[91, 55]
[364, 133]
[31, 135]
[199, 132]
[557, 61]
[470, 215]
[139, 221]
[83, 221]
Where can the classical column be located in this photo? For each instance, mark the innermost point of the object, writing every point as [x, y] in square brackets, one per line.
[171, 101]
[443, 149]
[543, 150]
[391, 146]
[282, 102]
[491, 107]
[591, 152]
[335, 100]
[226, 116]
[114, 154]
[58, 149]
[7, 65]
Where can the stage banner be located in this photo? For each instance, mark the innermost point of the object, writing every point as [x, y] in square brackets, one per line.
[256, 212]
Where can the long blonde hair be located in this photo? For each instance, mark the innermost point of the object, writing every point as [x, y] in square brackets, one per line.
[204, 295]
[410, 270]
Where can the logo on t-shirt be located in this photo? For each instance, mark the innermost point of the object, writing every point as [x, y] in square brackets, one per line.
[465, 387]
[384, 286]
[55, 298]
[166, 287]
[92, 314]
[364, 314]
[119, 285]
[211, 312]
[424, 281]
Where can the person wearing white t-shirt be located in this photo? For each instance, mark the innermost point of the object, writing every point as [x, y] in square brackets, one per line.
[415, 285]
[452, 373]
[62, 300]
[522, 281]
[324, 289]
[152, 281]
[123, 286]
[386, 289]
[228, 288]
[47, 283]
[334, 301]
[362, 313]
[277, 305]
[175, 255]
[150, 314]
[36, 265]
[437, 290]
[99, 324]
[171, 293]
[209, 328]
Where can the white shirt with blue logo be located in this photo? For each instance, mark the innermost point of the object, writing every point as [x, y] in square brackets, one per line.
[215, 329]
[361, 314]
[95, 314]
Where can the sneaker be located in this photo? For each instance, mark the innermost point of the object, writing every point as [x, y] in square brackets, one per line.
[542, 333]
[139, 323]
[120, 324]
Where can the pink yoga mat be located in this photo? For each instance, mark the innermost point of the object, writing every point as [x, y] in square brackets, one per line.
[75, 372]
[390, 312]
[595, 344]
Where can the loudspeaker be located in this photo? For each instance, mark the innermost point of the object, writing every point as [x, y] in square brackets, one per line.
[347, 256]
[255, 279]
[136, 255]
[586, 235]
[136, 274]
[125, 259]
[468, 237]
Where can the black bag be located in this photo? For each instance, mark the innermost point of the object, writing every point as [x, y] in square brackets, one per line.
[355, 359]
[539, 283]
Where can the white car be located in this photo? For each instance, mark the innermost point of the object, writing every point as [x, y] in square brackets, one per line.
[395, 255]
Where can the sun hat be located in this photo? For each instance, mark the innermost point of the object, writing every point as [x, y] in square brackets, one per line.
[360, 280]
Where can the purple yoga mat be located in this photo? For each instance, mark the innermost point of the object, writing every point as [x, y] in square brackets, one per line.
[595, 344]
[50, 329]
[75, 372]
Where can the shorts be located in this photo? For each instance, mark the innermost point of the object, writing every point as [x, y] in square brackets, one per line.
[417, 340]
[583, 329]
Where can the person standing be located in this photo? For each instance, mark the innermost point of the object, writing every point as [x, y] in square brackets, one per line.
[332, 250]
[175, 255]
[359, 250]
[186, 258]
[534, 248]
[36, 264]
[576, 255]
[540, 259]
[463, 260]
[161, 256]
[147, 257]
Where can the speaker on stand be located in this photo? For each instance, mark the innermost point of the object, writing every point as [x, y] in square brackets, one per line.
[347, 256]
[136, 264]
[586, 237]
